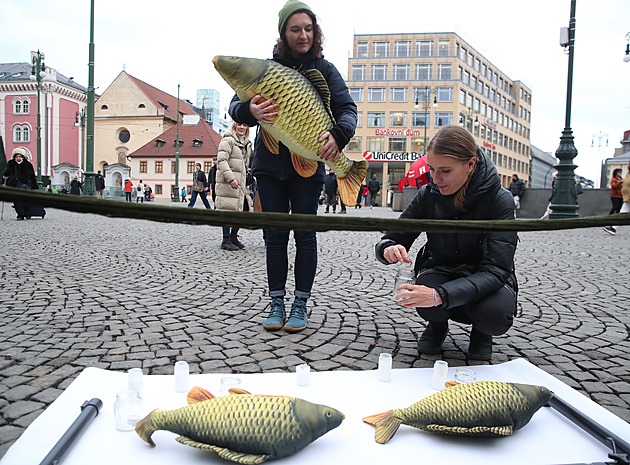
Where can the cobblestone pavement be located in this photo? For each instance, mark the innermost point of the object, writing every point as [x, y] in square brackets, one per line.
[80, 290]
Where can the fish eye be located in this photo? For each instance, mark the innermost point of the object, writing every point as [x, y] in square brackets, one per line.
[328, 414]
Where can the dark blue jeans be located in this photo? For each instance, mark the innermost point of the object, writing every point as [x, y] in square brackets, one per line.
[202, 194]
[298, 196]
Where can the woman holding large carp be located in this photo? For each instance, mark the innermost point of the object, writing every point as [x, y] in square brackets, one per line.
[464, 277]
[287, 181]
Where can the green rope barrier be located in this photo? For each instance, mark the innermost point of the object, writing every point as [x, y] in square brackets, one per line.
[283, 221]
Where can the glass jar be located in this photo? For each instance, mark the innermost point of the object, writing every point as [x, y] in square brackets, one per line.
[127, 410]
[465, 375]
[404, 275]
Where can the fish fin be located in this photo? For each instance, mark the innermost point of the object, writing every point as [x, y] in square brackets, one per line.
[451, 383]
[318, 80]
[270, 142]
[223, 452]
[471, 431]
[145, 429]
[350, 184]
[304, 167]
[198, 394]
[237, 391]
[386, 425]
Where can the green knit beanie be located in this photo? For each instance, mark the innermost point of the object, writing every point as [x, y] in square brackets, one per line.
[289, 8]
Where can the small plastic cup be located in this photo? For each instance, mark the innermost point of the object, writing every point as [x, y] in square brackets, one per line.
[227, 383]
[465, 375]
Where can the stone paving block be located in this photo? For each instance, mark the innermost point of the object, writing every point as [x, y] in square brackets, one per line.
[20, 408]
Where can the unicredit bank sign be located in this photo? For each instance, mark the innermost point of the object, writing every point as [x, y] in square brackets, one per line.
[391, 156]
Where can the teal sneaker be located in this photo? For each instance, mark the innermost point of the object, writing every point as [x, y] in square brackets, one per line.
[297, 318]
[276, 316]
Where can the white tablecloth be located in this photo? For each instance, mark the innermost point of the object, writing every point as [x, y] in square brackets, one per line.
[548, 438]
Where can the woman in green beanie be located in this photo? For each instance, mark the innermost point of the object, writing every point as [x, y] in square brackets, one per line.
[280, 187]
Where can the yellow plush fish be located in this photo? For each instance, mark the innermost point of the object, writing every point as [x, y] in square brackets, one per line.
[485, 408]
[242, 427]
[303, 115]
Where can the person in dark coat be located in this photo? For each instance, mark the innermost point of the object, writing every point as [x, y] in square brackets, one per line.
[75, 186]
[280, 187]
[99, 184]
[374, 187]
[330, 189]
[464, 277]
[19, 173]
[517, 188]
[200, 187]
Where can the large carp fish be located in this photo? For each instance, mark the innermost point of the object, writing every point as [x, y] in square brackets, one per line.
[242, 427]
[485, 408]
[304, 114]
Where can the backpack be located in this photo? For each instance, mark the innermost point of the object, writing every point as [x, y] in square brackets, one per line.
[139, 188]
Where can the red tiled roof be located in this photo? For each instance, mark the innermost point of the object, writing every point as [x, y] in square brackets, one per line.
[162, 100]
[187, 134]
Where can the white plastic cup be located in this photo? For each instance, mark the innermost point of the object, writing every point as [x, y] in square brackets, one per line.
[440, 369]
[385, 367]
[134, 380]
[302, 373]
[181, 372]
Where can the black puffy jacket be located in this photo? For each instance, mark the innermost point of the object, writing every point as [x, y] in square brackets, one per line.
[479, 263]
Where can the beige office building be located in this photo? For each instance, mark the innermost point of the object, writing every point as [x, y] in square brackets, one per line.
[408, 85]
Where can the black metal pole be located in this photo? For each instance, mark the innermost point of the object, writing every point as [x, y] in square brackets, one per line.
[603, 435]
[89, 410]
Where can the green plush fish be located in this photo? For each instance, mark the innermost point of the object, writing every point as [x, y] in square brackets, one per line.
[242, 427]
[304, 114]
[485, 408]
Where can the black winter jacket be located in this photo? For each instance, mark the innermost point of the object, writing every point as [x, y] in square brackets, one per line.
[22, 172]
[478, 263]
[343, 109]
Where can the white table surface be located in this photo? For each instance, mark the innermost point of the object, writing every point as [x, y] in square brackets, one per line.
[548, 438]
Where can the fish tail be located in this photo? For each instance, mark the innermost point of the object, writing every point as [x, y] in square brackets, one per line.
[145, 429]
[350, 184]
[386, 426]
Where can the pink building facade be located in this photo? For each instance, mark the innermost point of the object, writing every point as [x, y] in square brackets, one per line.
[61, 104]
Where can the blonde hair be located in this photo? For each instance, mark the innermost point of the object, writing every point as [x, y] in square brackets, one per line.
[456, 142]
[235, 134]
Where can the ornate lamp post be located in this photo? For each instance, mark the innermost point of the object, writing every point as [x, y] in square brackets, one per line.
[426, 98]
[564, 200]
[38, 72]
[466, 119]
[176, 193]
[89, 186]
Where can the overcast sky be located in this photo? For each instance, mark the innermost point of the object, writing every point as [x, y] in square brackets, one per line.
[167, 43]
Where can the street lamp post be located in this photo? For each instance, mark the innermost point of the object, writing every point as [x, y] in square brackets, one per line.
[626, 57]
[466, 119]
[425, 105]
[176, 193]
[89, 186]
[564, 200]
[38, 72]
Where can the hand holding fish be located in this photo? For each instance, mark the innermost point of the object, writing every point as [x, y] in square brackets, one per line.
[414, 295]
[330, 150]
[262, 109]
[396, 253]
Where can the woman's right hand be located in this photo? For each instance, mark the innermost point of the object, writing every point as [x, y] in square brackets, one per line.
[262, 109]
[396, 253]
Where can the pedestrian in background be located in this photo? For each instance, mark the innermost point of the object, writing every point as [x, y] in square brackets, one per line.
[554, 176]
[99, 183]
[199, 187]
[374, 188]
[616, 199]
[464, 277]
[517, 188]
[232, 193]
[212, 182]
[128, 190]
[75, 186]
[19, 173]
[140, 192]
[280, 187]
[184, 194]
[330, 189]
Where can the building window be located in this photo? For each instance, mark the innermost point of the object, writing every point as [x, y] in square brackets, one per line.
[444, 48]
[124, 135]
[443, 119]
[401, 72]
[362, 49]
[417, 144]
[462, 54]
[172, 167]
[21, 106]
[424, 48]
[379, 72]
[462, 97]
[466, 77]
[376, 119]
[380, 49]
[398, 119]
[376, 94]
[359, 119]
[354, 145]
[358, 72]
[143, 166]
[158, 189]
[424, 72]
[159, 143]
[444, 94]
[190, 167]
[419, 120]
[104, 107]
[158, 167]
[141, 105]
[206, 166]
[398, 94]
[402, 48]
[197, 143]
[375, 144]
[397, 144]
[444, 71]
[17, 134]
[356, 93]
